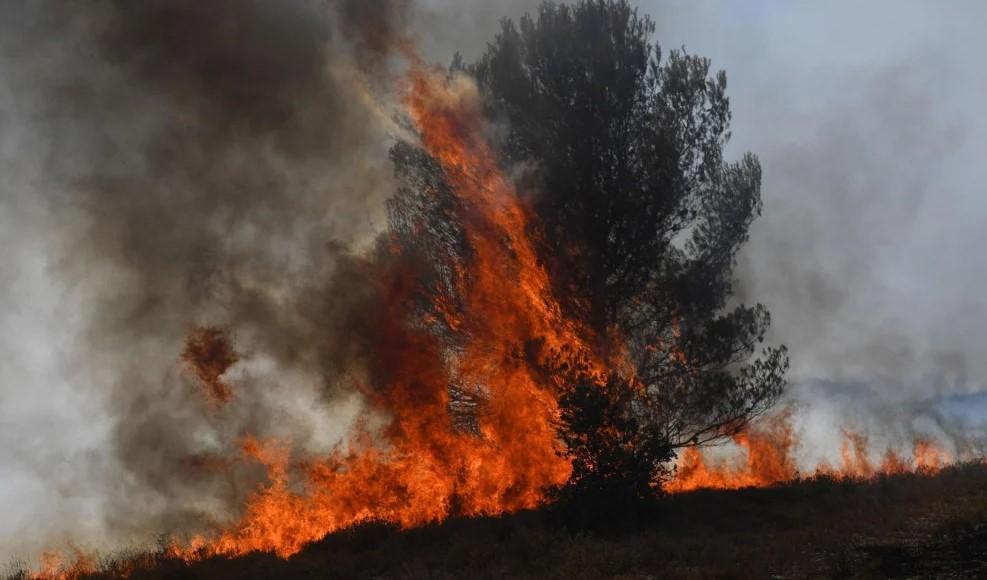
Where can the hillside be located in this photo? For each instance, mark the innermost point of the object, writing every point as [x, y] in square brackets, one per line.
[901, 526]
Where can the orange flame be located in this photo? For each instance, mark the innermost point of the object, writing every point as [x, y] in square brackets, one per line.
[422, 468]
[767, 458]
[929, 457]
[53, 566]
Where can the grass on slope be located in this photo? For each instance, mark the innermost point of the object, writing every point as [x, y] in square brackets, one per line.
[903, 526]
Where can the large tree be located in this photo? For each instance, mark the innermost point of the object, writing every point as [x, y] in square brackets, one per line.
[619, 153]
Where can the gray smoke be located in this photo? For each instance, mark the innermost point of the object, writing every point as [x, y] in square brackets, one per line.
[448, 26]
[868, 122]
[170, 164]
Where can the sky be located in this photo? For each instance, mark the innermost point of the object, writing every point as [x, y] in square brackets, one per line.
[867, 118]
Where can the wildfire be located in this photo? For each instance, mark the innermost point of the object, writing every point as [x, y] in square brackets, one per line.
[420, 467]
[767, 458]
[53, 566]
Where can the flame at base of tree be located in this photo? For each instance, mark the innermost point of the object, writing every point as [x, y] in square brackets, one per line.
[422, 468]
[382, 485]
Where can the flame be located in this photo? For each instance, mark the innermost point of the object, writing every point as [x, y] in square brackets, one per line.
[54, 566]
[421, 468]
[767, 458]
[929, 457]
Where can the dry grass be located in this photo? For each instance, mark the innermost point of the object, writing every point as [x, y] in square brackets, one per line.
[906, 526]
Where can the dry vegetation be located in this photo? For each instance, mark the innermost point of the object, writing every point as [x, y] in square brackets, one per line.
[903, 526]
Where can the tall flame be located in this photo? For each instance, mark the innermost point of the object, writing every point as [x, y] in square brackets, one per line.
[422, 468]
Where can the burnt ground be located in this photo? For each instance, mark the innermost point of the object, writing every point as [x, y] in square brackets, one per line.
[905, 526]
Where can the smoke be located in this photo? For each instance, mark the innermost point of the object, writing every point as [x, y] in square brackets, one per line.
[171, 165]
[171, 169]
[867, 122]
[449, 26]
[830, 254]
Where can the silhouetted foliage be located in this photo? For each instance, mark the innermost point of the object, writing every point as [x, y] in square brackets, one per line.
[618, 460]
[619, 153]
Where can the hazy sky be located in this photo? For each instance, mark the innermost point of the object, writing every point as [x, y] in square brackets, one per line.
[867, 118]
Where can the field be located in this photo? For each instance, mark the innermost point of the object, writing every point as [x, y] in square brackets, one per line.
[902, 526]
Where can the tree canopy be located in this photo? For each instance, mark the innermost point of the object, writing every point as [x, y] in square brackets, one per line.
[618, 151]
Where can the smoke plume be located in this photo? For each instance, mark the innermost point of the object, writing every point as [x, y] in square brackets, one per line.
[184, 167]
[867, 122]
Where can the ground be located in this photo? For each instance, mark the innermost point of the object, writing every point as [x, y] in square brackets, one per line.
[903, 526]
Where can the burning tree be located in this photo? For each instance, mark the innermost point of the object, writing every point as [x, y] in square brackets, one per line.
[618, 156]
[548, 309]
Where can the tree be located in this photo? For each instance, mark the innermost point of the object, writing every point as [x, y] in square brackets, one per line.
[641, 222]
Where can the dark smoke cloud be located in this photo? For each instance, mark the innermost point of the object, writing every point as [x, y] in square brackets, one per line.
[252, 169]
[200, 163]
[448, 26]
[374, 27]
[175, 165]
